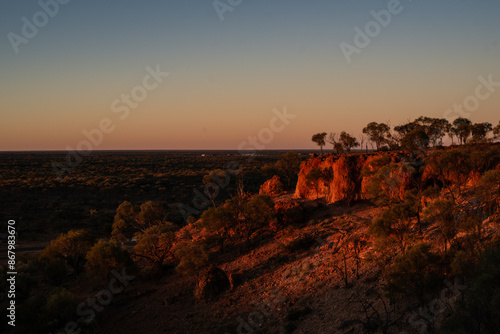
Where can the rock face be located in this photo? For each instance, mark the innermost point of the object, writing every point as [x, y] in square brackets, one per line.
[273, 187]
[348, 183]
[211, 284]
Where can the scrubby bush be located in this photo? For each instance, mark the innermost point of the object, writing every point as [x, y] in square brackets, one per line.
[130, 220]
[394, 225]
[387, 182]
[488, 191]
[155, 244]
[192, 256]
[289, 166]
[72, 247]
[220, 221]
[257, 213]
[414, 273]
[103, 257]
[479, 311]
[45, 313]
[451, 168]
[443, 213]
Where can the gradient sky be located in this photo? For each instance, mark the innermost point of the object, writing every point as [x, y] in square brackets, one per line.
[226, 77]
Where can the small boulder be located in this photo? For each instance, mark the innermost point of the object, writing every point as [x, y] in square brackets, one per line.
[273, 187]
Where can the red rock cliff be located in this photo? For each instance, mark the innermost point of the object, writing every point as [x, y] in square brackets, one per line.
[348, 182]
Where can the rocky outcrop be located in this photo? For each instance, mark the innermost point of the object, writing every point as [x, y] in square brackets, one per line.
[348, 182]
[211, 284]
[273, 187]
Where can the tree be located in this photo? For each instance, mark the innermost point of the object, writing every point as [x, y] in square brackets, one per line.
[319, 139]
[289, 166]
[377, 133]
[220, 220]
[129, 220]
[123, 221]
[403, 129]
[71, 247]
[362, 140]
[443, 213]
[496, 131]
[155, 243]
[257, 212]
[150, 214]
[394, 225]
[46, 312]
[347, 141]
[337, 146]
[103, 257]
[192, 256]
[461, 129]
[479, 310]
[435, 128]
[60, 307]
[386, 184]
[414, 272]
[415, 140]
[214, 181]
[452, 168]
[480, 131]
[488, 191]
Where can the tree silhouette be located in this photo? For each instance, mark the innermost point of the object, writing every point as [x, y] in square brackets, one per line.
[155, 243]
[496, 131]
[347, 141]
[71, 247]
[103, 257]
[337, 146]
[319, 139]
[461, 129]
[480, 131]
[415, 140]
[130, 220]
[377, 133]
[220, 220]
[443, 213]
[289, 166]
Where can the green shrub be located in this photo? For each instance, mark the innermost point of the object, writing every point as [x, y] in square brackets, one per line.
[192, 257]
[414, 273]
[479, 311]
[72, 247]
[103, 257]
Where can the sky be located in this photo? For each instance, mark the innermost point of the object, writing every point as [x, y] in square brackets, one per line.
[233, 74]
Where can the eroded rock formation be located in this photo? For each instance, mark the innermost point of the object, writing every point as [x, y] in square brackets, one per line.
[348, 182]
